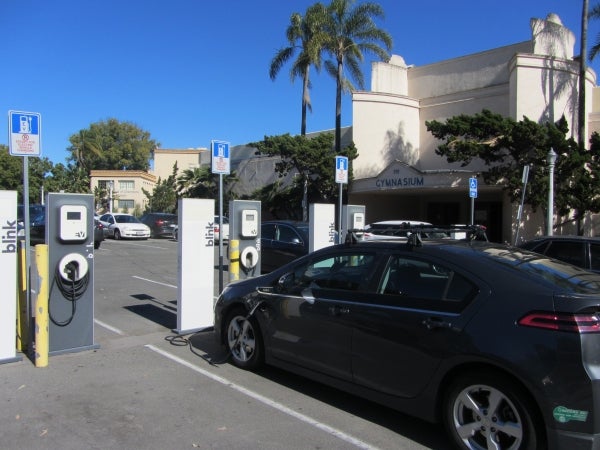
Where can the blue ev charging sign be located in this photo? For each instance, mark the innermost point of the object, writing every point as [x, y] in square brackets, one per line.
[24, 129]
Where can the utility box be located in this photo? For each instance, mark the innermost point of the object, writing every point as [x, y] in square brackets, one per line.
[244, 227]
[70, 239]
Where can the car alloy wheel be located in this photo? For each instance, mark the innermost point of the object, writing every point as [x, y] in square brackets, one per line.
[244, 340]
[484, 411]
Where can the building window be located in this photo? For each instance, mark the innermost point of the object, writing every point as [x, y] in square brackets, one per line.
[126, 185]
[126, 205]
[103, 184]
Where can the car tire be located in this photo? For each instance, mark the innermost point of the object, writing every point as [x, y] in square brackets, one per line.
[117, 234]
[244, 340]
[96, 245]
[472, 422]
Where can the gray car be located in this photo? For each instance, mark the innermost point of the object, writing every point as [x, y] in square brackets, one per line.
[498, 343]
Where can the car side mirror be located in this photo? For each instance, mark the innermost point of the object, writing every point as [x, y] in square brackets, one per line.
[285, 282]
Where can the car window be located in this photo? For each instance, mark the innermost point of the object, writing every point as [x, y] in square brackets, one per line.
[287, 234]
[571, 252]
[595, 256]
[267, 231]
[418, 279]
[348, 271]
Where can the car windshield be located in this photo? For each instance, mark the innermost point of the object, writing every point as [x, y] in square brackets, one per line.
[126, 219]
[565, 276]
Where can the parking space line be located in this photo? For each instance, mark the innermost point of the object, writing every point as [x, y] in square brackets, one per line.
[304, 418]
[109, 327]
[156, 282]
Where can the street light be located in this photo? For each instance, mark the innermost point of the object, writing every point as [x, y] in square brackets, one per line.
[110, 196]
[551, 159]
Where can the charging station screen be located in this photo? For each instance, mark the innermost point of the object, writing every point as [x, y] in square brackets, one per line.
[73, 215]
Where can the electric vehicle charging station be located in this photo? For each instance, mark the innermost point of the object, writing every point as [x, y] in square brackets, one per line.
[8, 276]
[195, 265]
[353, 218]
[70, 240]
[321, 226]
[244, 226]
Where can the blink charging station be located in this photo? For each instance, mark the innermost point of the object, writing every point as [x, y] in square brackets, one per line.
[70, 240]
[353, 219]
[244, 226]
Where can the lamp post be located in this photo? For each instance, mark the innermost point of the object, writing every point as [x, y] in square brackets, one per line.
[551, 160]
[110, 196]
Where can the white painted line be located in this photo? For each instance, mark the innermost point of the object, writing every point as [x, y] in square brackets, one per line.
[332, 431]
[108, 327]
[155, 282]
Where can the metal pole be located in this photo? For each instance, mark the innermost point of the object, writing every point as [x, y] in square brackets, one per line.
[551, 161]
[340, 217]
[221, 235]
[520, 212]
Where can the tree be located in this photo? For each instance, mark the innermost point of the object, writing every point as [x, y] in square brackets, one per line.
[164, 196]
[312, 156]
[112, 145]
[347, 33]
[200, 182]
[12, 174]
[69, 178]
[302, 35]
[506, 146]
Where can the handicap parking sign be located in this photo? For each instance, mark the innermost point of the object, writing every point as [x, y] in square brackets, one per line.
[473, 187]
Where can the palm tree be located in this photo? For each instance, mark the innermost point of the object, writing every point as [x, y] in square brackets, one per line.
[87, 143]
[302, 34]
[350, 31]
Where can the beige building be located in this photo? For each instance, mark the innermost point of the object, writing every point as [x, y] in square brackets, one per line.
[123, 188]
[399, 176]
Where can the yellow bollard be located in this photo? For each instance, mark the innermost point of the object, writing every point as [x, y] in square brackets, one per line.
[22, 322]
[234, 260]
[42, 341]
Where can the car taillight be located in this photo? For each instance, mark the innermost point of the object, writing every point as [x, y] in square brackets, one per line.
[159, 222]
[575, 323]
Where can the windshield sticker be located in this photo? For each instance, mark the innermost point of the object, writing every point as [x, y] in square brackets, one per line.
[563, 414]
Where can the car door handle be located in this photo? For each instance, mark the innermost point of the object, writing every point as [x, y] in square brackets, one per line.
[338, 311]
[435, 322]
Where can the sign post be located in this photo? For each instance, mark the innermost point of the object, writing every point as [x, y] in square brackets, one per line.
[221, 164]
[341, 177]
[25, 139]
[473, 195]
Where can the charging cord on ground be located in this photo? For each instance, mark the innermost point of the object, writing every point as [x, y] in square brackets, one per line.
[181, 340]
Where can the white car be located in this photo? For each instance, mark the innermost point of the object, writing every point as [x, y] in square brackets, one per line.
[124, 226]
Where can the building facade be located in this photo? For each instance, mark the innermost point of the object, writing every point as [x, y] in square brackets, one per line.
[398, 174]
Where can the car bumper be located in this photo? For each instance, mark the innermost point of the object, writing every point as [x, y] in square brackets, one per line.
[561, 439]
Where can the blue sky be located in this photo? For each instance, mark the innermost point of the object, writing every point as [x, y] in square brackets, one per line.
[192, 71]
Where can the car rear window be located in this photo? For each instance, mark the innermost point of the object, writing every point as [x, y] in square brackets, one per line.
[558, 274]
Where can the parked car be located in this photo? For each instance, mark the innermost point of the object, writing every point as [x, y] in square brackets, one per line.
[121, 226]
[499, 343]
[224, 232]
[577, 250]
[282, 241]
[98, 233]
[160, 224]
